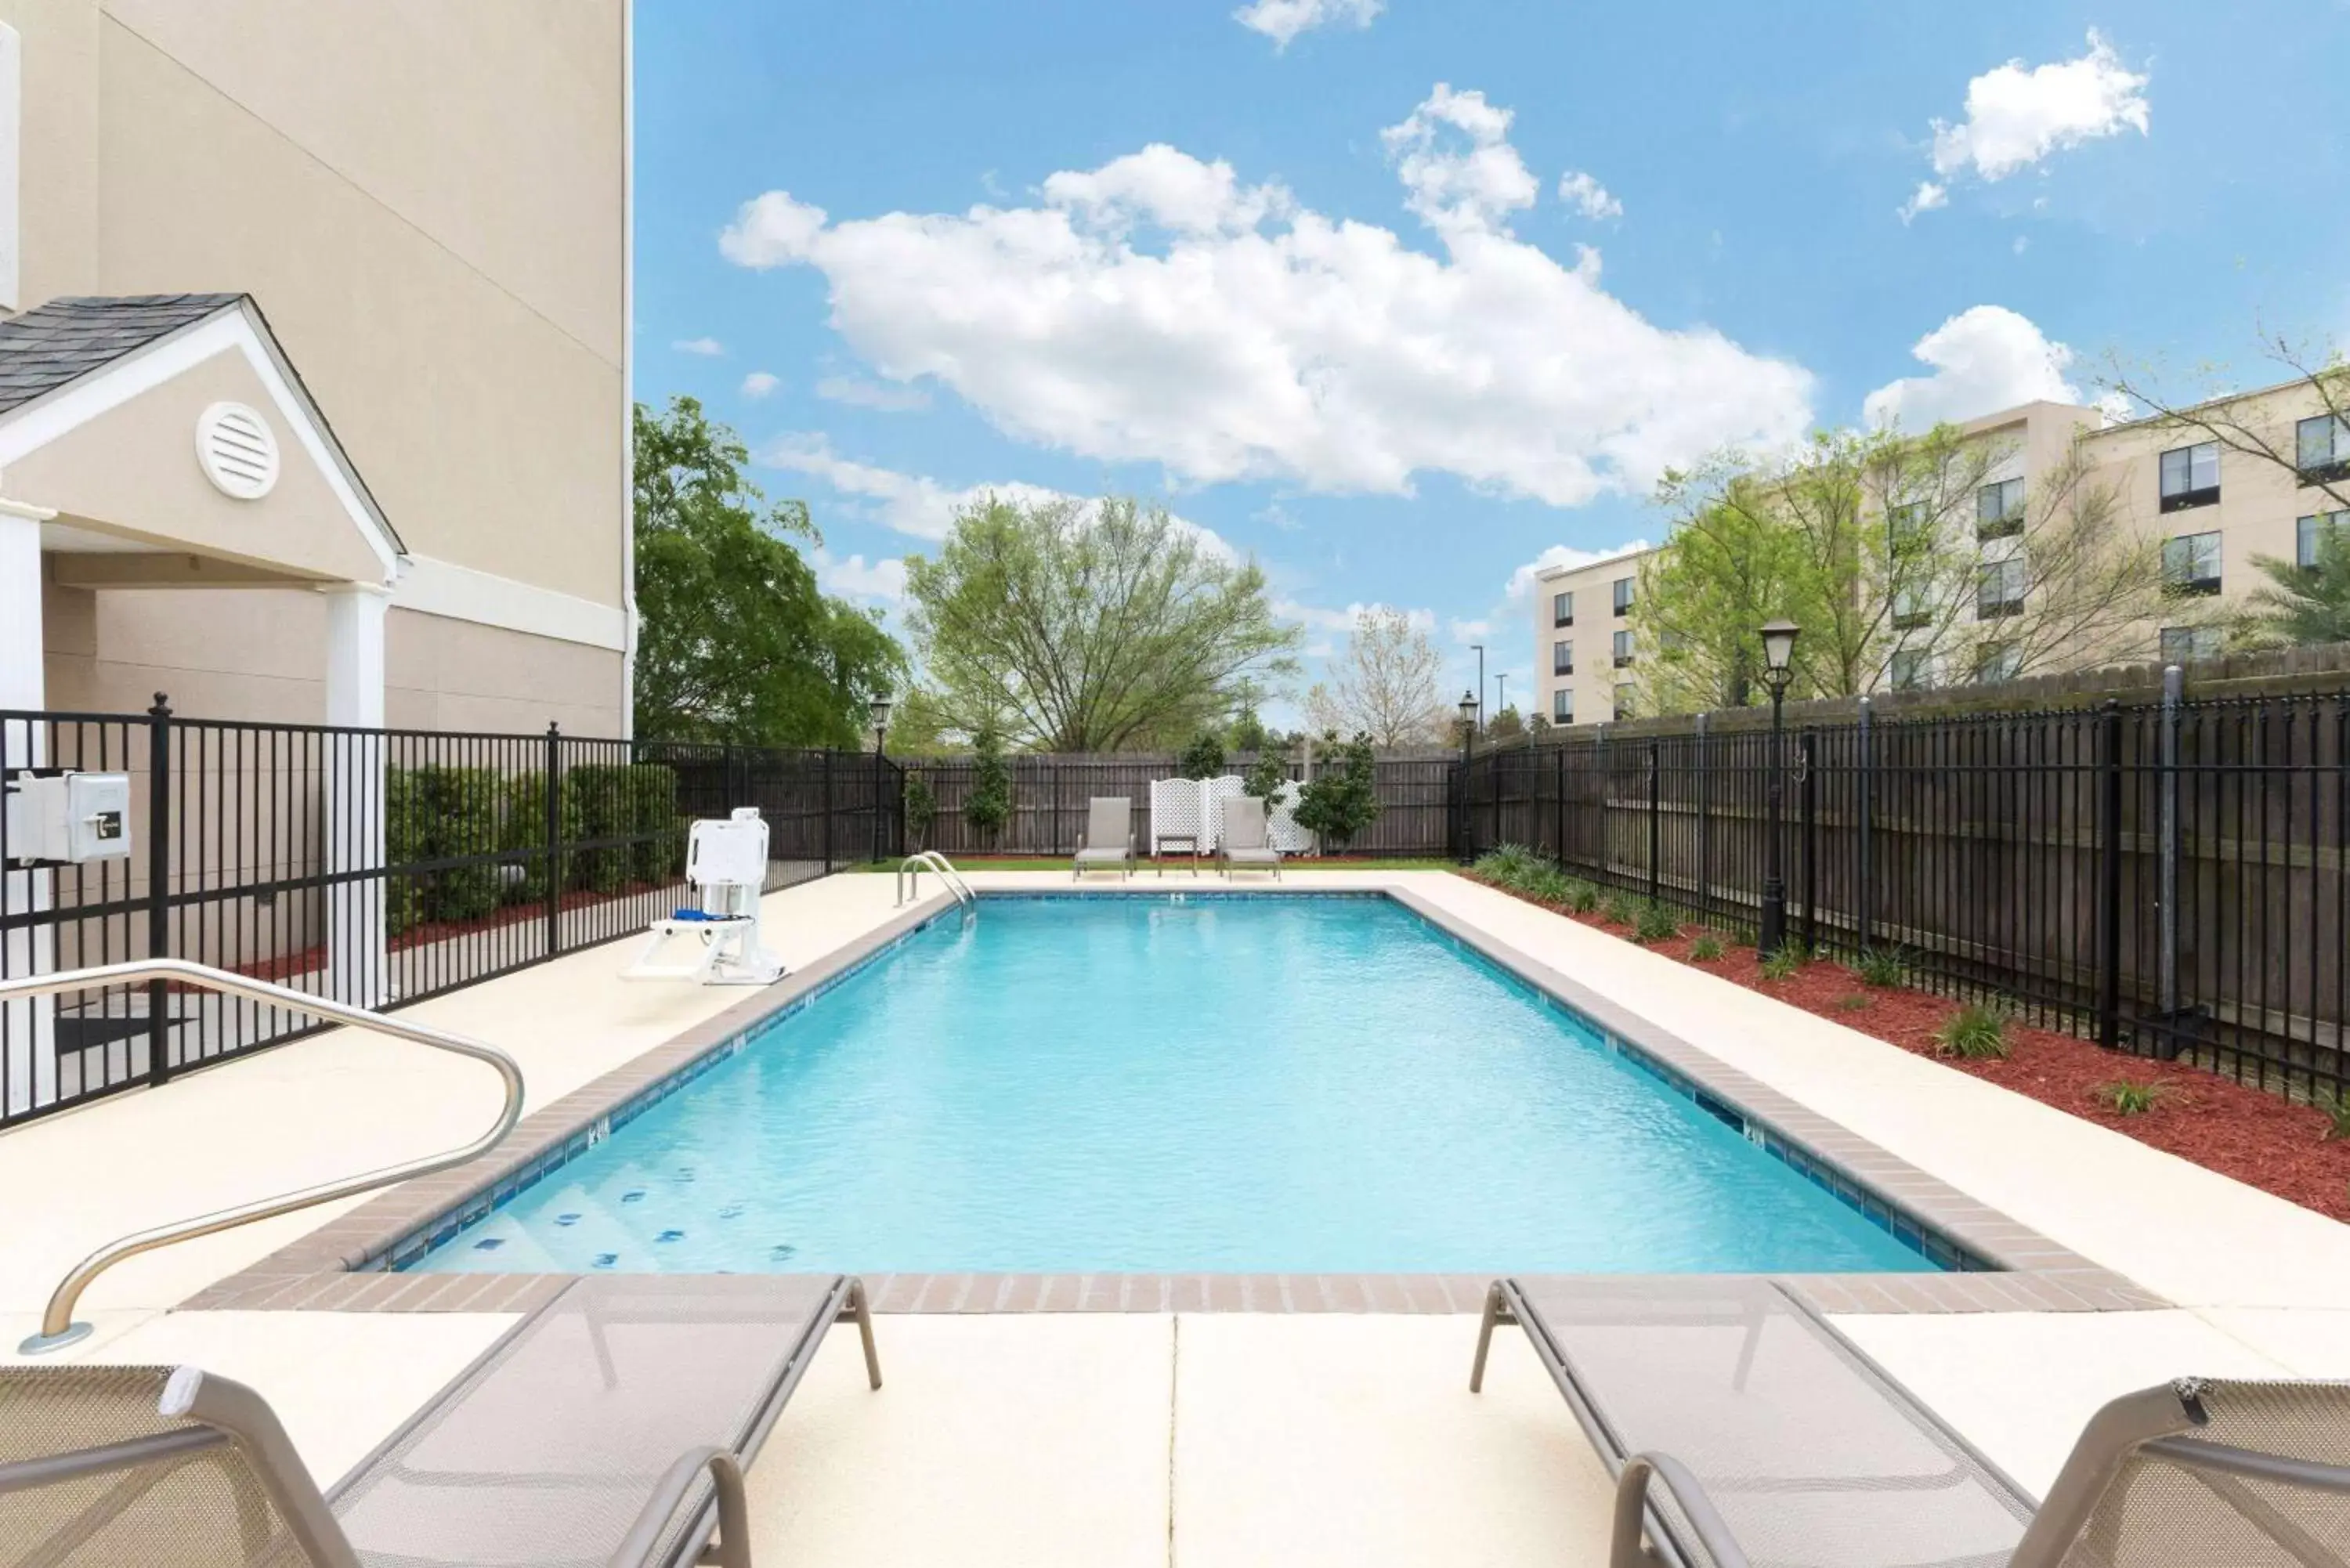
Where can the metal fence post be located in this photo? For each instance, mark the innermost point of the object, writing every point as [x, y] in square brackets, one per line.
[1656, 823]
[1865, 895]
[554, 792]
[1808, 750]
[159, 884]
[1705, 811]
[2109, 875]
[1607, 792]
[1558, 801]
[827, 811]
[2166, 898]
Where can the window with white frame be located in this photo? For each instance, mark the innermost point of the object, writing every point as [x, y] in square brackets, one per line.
[1562, 658]
[2182, 643]
[1620, 592]
[1562, 609]
[1999, 510]
[2190, 563]
[1999, 588]
[1562, 706]
[2191, 477]
[1622, 649]
[2309, 532]
[2322, 448]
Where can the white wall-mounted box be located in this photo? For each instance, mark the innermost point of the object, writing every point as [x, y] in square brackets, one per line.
[69, 818]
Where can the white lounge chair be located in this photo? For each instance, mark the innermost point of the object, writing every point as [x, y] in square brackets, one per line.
[1110, 838]
[1245, 844]
[727, 864]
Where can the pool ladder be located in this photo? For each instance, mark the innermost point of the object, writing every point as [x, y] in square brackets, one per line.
[58, 1328]
[932, 860]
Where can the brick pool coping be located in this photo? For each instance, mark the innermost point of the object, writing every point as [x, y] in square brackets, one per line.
[341, 1266]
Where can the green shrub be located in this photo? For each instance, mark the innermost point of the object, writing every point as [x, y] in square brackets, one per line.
[1202, 759]
[436, 813]
[1507, 863]
[2337, 1111]
[1786, 962]
[920, 805]
[1618, 911]
[1582, 898]
[2127, 1097]
[1267, 775]
[1655, 924]
[988, 805]
[1977, 1032]
[524, 830]
[1342, 798]
[1855, 1001]
[636, 802]
[1707, 947]
[1547, 883]
[1883, 965]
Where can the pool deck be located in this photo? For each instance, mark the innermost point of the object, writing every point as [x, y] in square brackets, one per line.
[1153, 1435]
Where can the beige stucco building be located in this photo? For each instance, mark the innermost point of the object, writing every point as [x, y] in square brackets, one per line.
[313, 391]
[2213, 511]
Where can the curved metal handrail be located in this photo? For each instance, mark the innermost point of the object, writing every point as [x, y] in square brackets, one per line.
[57, 1328]
[931, 859]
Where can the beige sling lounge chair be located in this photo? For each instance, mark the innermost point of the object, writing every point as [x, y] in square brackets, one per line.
[1110, 838]
[1247, 844]
[1742, 1430]
[610, 1428]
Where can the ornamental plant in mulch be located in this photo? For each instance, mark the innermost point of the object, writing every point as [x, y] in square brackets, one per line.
[2296, 1150]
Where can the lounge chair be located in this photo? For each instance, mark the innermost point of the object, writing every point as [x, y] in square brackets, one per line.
[609, 1427]
[1110, 838]
[1740, 1427]
[1245, 842]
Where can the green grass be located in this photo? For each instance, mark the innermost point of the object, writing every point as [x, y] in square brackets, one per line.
[1707, 947]
[1655, 924]
[2337, 1111]
[2127, 1097]
[1583, 897]
[1618, 911]
[1784, 964]
[1884, 966]
[1976, 1031]
[1855, 1001]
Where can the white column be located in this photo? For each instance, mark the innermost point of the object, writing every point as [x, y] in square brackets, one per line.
[29, 1027]
[357, 970]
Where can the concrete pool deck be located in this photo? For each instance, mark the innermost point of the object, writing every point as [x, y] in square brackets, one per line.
[1155, 1436]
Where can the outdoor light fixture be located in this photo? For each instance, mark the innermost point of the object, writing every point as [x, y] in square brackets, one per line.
[1468, 739]
[1469, 707]
[1778, 650]
[876, 708]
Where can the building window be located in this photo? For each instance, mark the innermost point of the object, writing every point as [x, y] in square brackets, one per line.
[1562, 658]
[1623, 648]
[1624, 704]
[1562, 609]
[1910, 611]
[2183, 643]
[1562, 706]
[1910, 670]
[2190, 564]
[1999, 589]
[2308, 530]
[2322, 448]
[1621, 591]
[1998, 509]
[2191, 477]
[1905, 526]
[1998, 662]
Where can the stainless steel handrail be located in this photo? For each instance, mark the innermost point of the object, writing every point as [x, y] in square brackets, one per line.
[931, 859]
[57, 1328]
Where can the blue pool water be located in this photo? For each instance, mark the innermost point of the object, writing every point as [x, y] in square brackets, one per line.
[1126, 1083]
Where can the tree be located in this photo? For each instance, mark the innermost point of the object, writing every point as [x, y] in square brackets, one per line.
[1506, 725]
[988, 806]
[920, 805]
[1081, 626]
[735, 641]
[1265, 775]
[1343, 798]
[2301, 605]
[2265, 428]
[1202, 759]
[1386, 683]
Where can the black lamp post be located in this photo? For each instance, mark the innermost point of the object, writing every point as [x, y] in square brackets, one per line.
[878, 710]
[1778, 651]
[1468, 738]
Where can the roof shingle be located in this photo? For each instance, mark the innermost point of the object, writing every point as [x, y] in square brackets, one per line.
[68, 338]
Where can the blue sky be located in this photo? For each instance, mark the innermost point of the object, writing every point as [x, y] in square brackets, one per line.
[1399, 298]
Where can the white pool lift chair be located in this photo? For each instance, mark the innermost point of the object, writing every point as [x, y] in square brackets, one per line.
[727, 863]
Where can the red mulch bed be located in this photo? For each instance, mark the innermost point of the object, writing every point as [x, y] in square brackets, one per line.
[287, 966]
[2249, 1134]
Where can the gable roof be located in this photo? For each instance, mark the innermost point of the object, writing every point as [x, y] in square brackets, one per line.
[73, 339]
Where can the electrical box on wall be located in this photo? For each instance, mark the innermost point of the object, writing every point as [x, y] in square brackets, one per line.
[67, 818]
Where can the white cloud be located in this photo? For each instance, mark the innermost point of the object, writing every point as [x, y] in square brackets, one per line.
[1984, 359]
[1518, 595]
[1322, 619]
[1588, 196]
[759, 383]
[881, 582]
[1159, 309]
[1928, 197]
[1466, 632]
[708, 347]
[2018, 116]
[858, 392]
[1283, 20]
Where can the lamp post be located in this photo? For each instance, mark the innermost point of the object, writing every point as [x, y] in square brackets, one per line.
[878, 710]
[1778, 650]
[1479, 650]
[1468, 738]
[1501, 694]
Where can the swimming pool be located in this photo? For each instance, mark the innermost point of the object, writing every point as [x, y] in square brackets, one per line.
[1243, 1083]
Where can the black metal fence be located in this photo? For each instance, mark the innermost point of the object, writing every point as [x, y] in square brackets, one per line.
[374, 866]
[1049, 793]
[2168, 878]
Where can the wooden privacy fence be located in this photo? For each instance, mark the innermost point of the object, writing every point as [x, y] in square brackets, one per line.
[1049, 793]
[2166, 875]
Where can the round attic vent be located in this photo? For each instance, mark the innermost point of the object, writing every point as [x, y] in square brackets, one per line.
[237, 449]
